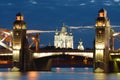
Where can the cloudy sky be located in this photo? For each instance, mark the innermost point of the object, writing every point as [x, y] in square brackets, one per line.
[50, 14]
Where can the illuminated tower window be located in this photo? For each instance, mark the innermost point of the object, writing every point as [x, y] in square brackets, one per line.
[102, 13]
[19, 17]
[19, 23]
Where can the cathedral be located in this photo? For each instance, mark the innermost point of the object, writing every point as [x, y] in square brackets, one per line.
[63, 39]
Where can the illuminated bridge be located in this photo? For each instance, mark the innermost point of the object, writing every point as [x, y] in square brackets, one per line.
[17, 45]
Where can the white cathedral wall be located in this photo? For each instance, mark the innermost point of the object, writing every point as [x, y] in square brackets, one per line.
[63, 43]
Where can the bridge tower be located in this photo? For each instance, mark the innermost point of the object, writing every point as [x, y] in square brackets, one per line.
[20, 45]
[101, 54]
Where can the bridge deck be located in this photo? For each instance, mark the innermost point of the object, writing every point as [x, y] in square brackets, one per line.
[75, 52]
[50, 52]
[62, 50]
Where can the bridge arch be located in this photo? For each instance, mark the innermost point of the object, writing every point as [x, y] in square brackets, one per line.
[115, 39]
[45, 60]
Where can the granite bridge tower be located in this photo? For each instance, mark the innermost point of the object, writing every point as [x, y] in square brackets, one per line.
[102, 41]
[21, 58]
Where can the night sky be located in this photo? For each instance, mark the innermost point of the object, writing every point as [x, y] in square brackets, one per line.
[50, 14]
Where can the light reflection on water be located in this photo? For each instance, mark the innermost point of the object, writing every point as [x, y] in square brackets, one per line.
[59, 74]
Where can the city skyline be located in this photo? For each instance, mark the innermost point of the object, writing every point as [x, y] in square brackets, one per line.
[49, 15]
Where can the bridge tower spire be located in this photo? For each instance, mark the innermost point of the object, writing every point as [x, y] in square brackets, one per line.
[101, 54]
[20, 45]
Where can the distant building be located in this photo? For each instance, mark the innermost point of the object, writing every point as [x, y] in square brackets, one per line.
[63, 39]
[80, 46]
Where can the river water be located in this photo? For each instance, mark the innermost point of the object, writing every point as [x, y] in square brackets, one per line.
[59, 74]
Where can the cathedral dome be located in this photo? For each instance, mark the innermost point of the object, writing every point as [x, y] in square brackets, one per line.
[63, 30]
[63, 39]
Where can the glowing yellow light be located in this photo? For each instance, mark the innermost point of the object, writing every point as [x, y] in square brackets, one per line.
[116, 68]
[101, 14]
[22, 18]
[32, 74]
[99, 23]
[117, 59]
[100, 46]
[16, 55]
[33, 38]
[99, 54]
[72, 57]
[100, 31]
[18, 18]
[99, 51]
[16, 46]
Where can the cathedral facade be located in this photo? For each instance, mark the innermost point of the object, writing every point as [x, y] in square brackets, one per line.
[63, 39]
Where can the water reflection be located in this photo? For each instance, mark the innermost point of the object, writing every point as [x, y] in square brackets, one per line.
[60, 74]
[32, 75]
[72, 69]
[100, 76]
[57, 69]
[10, 76]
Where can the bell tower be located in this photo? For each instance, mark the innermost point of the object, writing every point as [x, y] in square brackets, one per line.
[101, 54]
[19, 42]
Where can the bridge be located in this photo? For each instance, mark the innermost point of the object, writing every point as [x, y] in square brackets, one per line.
[37, 56]
[17, 44]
